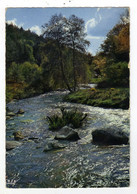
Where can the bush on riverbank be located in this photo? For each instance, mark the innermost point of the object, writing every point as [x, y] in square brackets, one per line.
[23, 90]
[107, 98]
[20, 91]
[73, 117]
[14, 91]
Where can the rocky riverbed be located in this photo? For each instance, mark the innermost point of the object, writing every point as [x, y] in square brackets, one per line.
[36, 158]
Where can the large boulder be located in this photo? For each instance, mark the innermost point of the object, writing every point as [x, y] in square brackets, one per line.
[18, 135]
[12, 144]
[107, 137]
[53, 145]
[67, 133]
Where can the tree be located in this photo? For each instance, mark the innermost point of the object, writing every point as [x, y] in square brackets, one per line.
[20, 45]
[76, 40]
[99, 63]
[122, 41]
[117, 74]
[66, 33]
[54, 30]
[28, 71]
[50, 64]
[116, 45]
[14, 73]
[112, 62]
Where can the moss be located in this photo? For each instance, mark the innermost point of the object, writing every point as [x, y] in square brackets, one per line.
[107, 98]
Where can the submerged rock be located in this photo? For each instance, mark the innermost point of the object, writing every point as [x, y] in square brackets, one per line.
[8, 117]
[106, 137]
[10, 114]
[33, 138]
[53, 146]
[67, 133]
[18, 135]
[12, 144]
[20, 111]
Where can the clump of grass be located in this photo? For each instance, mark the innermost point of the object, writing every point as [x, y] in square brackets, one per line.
[73, 117]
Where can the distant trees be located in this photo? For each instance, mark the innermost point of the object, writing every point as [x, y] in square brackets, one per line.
[111, 63]
[67, 33]
[21, 45]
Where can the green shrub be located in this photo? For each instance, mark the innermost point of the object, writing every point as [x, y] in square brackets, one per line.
[73, 117]
[117, 75]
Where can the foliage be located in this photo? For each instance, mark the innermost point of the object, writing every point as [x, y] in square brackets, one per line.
[110, 65]
[21, 45]
[15, 91]
[28, 71]
[116, 45]
[117, 74]
[73, 117]
[98, 65]
[14, 73]
[107, 98]
[114, 75]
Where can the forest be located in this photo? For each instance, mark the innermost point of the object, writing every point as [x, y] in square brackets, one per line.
[58, 60]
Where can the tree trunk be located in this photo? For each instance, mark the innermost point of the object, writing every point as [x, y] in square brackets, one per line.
[74, 69]
[62, 71]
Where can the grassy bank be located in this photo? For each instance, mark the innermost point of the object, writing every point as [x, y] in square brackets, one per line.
[107, 98]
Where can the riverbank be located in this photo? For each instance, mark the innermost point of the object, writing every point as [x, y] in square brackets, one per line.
[20, 91]
[106, 98]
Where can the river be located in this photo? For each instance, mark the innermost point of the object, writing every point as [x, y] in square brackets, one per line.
[80, 164]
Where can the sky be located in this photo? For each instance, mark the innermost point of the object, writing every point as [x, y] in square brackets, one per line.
[98, 21]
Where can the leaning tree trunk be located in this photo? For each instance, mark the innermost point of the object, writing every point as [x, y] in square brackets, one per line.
[62, 70]
[74, 69]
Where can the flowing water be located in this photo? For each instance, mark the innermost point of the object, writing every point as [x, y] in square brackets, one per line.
[80, 164]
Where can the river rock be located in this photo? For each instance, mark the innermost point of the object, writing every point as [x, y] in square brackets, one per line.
[20, 111]
[67, 133]
[8, 117]
[33, 138]
[108, 137]
[10, 114]
[18, 135]
[12, 144]
[53, 146]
